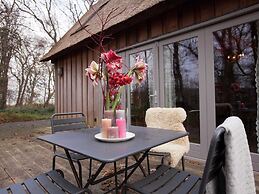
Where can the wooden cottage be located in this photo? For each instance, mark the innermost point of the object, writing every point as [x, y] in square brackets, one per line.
[202, 56]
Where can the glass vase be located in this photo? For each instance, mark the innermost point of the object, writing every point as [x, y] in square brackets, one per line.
[109, 128]
[114, 124]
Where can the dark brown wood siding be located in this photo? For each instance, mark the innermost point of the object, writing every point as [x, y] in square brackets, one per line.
[74, 92]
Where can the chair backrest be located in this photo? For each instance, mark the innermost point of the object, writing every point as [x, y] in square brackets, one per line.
[215, 161]
[68, 121]
[168, 118]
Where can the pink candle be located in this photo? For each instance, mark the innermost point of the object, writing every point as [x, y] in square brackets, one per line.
[106, 123]
[121, 123]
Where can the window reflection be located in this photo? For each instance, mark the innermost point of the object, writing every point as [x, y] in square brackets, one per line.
[235, 56]
[141, 95]
[181, 81]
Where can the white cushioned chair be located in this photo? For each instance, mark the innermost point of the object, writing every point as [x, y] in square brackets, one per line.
[172, 119]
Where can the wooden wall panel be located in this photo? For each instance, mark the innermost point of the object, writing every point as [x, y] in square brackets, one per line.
[245, 3]
[131, 37]
[85, 83]
[142, 32]
[90, 99]
[61, 78]
[74, 86]
[112, 44]
[69, 84]
[206, 10]
[79, 78]
[156, 27]
[222, 6]
[96, 98]
[56, 87]
[59, 89]
[65, 85]
[121, 40]
[170, 21]
[186, 15]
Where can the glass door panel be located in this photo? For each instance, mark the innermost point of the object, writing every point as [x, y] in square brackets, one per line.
[144, 95]
[181, 81]
[236, 76]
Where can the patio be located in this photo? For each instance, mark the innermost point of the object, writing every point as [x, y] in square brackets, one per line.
[22, 156]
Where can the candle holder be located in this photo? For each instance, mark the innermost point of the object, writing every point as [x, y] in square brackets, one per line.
[111, 120]
[106, 123]
[121, 123]
[113, 132]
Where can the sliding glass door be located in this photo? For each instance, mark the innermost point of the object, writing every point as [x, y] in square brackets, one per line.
[234, 90]
[181, 74]
[143, 96]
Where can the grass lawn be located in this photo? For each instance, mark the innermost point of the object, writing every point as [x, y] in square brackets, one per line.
[16, 114]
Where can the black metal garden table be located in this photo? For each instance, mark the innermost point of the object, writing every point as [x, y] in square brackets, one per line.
[83, 142]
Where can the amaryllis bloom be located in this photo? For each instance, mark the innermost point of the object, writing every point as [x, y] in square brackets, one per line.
[139, 69]
[112, 79]
[93, 72]
[111, 57]
[119, 79]
[112, 60]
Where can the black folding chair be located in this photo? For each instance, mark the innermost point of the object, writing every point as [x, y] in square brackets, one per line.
[52, 182]
[170, 180]
[65, 122]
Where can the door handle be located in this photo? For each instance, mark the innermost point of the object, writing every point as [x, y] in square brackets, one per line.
[155, 98]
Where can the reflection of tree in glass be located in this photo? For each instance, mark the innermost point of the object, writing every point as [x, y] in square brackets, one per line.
[182, 56]
[235, 57]
[182, 82]
[140, 96]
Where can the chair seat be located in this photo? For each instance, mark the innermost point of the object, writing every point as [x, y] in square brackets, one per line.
[167, 180]
[51, 182]
[75, 157]
[176, 151]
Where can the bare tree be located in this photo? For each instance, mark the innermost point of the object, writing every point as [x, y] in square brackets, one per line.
[9, 39]
[22, 71]
[76, 8]
[42, 12]
[35, 75]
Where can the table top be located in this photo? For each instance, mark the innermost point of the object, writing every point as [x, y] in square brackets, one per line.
[84, 142]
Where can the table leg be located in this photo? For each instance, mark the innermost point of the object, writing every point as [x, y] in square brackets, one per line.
[148, 165]
[140, 166]
[95, 175]
[138, 162]
[116, 178]
[126, 168]
[79, 183]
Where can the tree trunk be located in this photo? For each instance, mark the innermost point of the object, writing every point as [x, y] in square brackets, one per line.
[178, 77]
[4, 65]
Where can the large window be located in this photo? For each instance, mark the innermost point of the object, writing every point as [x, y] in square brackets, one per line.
[181, 81]
[236, 74]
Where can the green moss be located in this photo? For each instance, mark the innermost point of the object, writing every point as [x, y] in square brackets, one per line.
[26, 113]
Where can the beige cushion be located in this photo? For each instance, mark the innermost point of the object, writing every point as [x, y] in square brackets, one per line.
[169, 118]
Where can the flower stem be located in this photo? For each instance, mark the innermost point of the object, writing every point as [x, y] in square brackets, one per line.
[117, 99]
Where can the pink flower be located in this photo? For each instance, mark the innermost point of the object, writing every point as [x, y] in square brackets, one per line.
[139, 69]
[119, 79]
[112, 60]
[111, 57]
[93, 72]
[112, 79]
